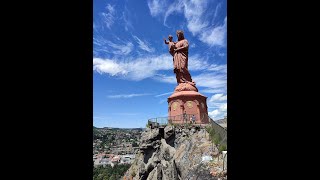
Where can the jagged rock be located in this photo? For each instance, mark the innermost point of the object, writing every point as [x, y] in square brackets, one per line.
[169, 171]
[177, 156]
[142, 169]
[166, 152]
[193, 130]
[168, 131]
[156, 173]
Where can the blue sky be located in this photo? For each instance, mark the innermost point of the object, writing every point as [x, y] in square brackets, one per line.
[133, 70]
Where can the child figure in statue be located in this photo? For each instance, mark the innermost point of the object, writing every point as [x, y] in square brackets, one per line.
[171, 44]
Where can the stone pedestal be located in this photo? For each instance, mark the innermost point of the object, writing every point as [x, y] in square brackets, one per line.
[191, 102]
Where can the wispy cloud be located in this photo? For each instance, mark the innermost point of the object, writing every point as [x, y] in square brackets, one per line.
[214, 90]
[194, 13]
[218, 7]
[164, 78]
[126, 95]
[119, 48]
[217, 100]
[133, 68]
[155, 7]
[213, 76]
[126, 114]
[108, 66]
[108, 16]
[222, 68]
[144, 45]
[177, 6]
[127, 23]
[211, 80]
[198, 22]
[163, 94]
[218, 97]
[162, 101]
[216, 35]
[214, 82]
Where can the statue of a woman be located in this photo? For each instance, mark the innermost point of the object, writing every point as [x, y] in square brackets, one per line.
[180, 64]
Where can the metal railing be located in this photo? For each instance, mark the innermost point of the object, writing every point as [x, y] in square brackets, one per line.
[187, 119]
[179, 119]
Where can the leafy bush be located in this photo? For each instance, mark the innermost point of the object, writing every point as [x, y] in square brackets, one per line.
[133, 173]
[217, 139]
[109, 173]
[211, 132]
[222, 148]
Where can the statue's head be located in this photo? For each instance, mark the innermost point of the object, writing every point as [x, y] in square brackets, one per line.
[170, 38]
[180, 35]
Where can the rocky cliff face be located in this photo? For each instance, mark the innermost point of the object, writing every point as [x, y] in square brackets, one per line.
[176, 154]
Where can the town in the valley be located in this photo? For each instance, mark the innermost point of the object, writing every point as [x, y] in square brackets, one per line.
[115, 145]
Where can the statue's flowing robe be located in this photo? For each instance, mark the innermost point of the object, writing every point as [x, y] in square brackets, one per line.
[180, 63]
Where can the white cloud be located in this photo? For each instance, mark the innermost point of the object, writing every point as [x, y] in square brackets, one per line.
[133, 69]
[218, 101]
[144, 45]
[219, 113]
[193, 12]
[163, 94]
[198, 21]
[222, 68]
[211, 80]
[213, 113]
[216, 35]
[214, 90]
[213, 77]
[218, 97]
[155, 7]
[110, 8]
[177, 6]
[214, 80]
[223, 107]
[108, 66]
[147, 67]
[127, 22]
[108, 17]
[164, 78]
[126, 95]
[119, 48]
[196, 62]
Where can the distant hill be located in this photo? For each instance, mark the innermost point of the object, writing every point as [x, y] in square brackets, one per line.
[114, 128]
[96, 132]
[221, 121]
[100, 131]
